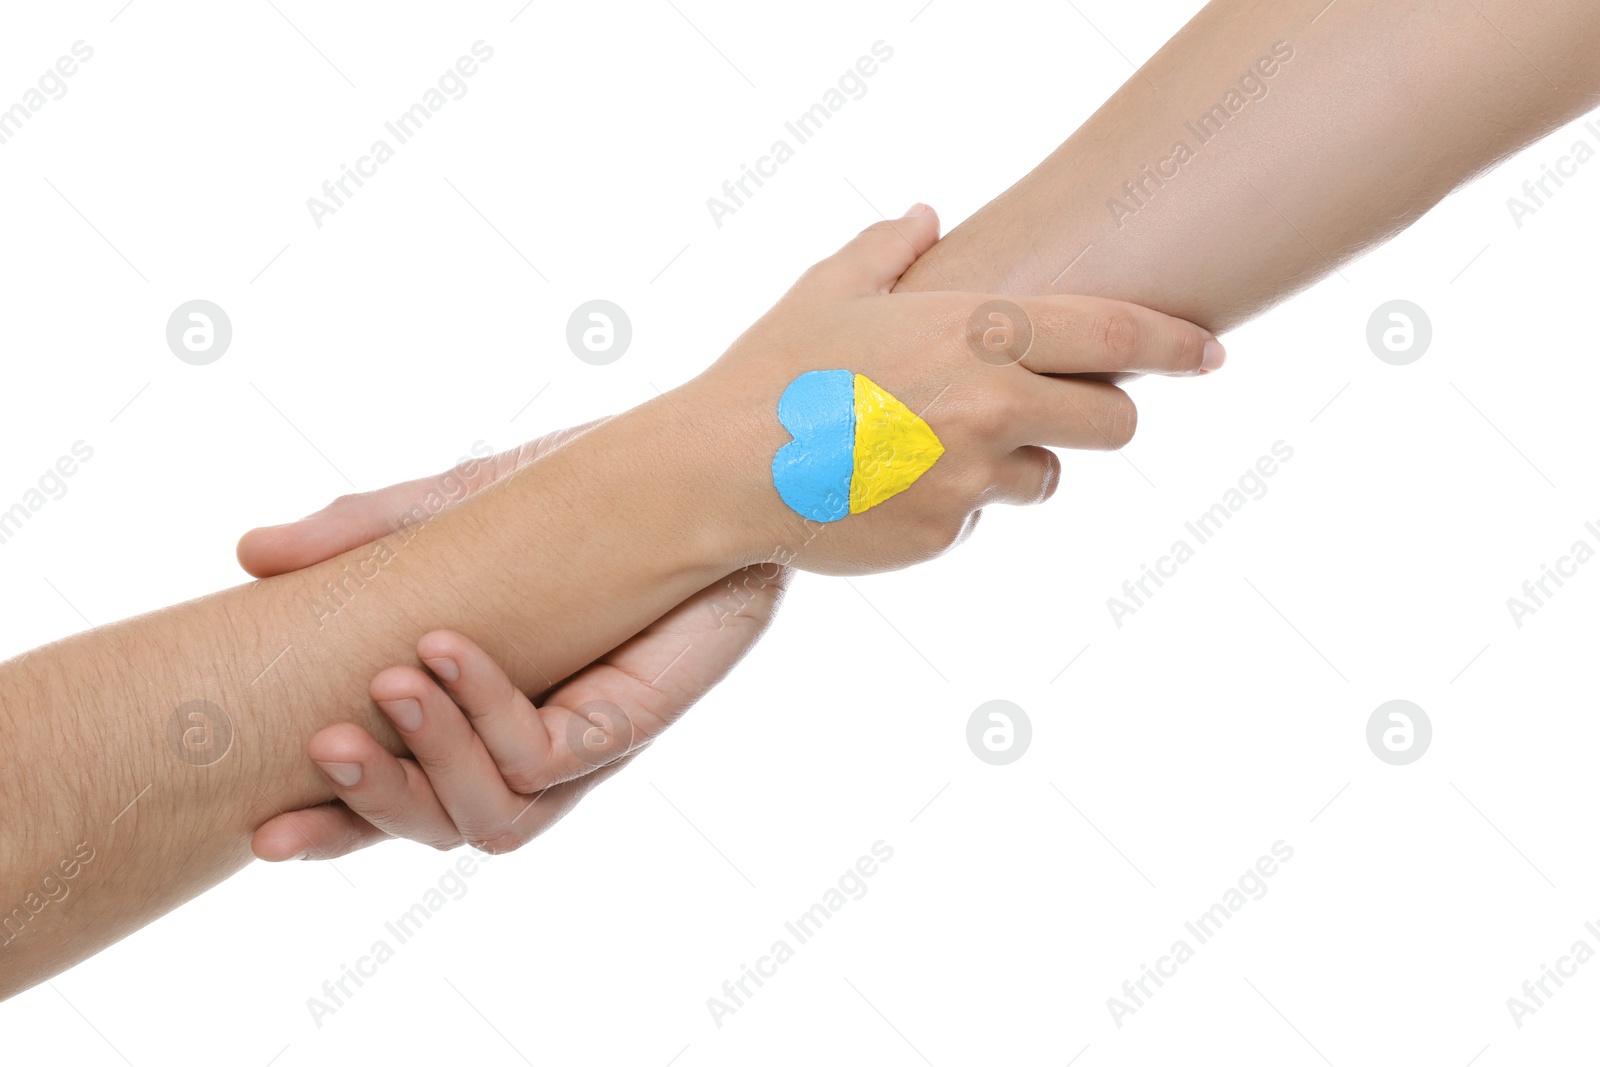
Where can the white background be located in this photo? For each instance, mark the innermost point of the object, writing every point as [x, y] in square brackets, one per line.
[1228, 714]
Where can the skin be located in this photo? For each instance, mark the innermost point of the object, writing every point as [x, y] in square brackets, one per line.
[546, 568]
[1289, 188]
[483, 753]
[1383, 110]
[1443, 90]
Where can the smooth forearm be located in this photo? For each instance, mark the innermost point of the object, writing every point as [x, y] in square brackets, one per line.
[1381, 110]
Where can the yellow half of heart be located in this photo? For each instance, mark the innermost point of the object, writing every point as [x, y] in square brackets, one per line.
[893, 446]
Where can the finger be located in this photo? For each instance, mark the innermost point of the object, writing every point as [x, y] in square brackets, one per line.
[323, 832]
[874, 260]
[505, 720]
[1029, 475]
[551, 805]
[360, 518]
[1085, 335]
[1072, 413]
[461, 771]
[664, 670]
[390, 793]
[587, 736]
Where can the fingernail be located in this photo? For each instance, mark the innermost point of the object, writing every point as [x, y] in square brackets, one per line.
[444, 667]
[919, 208]
[301, 856]
[1213, 355]
[346, 774]
[406, 714]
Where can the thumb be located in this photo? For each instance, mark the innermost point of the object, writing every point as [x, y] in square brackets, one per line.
[361, 518]
[874, 260]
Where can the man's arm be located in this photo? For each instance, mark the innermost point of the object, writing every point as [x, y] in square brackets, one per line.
[1211, 189]
[145, 753]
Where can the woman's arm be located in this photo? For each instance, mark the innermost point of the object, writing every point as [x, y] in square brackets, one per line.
[1268, 142]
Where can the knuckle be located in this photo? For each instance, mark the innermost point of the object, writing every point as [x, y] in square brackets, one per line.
[975, 484]
[1117, 331]
[1052, 477]
[443, 764]
[381, 813]
[1121, 418]
[994, 415]
[964, 529]
[990, 412]
[1049, 474]
[524, 777]
[940, 534]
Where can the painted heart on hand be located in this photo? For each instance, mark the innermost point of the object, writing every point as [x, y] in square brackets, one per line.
[854, 445]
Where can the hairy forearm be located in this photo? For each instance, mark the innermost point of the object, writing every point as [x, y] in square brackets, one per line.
[547, 570]
[1379, 110]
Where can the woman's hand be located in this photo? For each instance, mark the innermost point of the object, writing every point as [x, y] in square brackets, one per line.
[974, 419]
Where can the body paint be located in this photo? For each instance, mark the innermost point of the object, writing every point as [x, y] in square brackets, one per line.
[855, 445]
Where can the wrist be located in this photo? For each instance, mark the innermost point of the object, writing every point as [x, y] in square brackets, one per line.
[728, 434]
